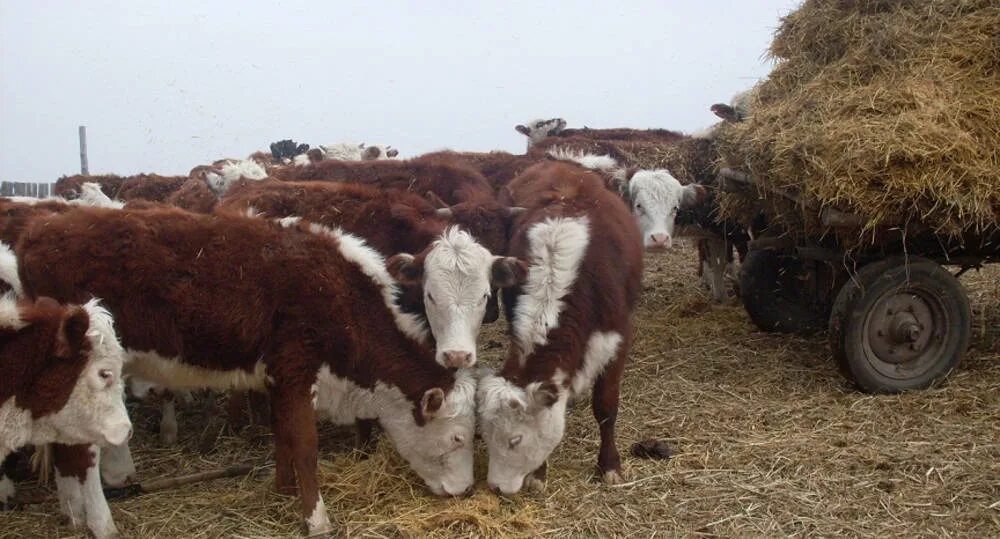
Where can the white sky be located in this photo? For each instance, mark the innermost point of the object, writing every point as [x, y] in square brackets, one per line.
[164, 86]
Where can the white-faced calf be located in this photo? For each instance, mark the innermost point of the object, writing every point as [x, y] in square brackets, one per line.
[305, 312]
[60, 383]
[571, 324]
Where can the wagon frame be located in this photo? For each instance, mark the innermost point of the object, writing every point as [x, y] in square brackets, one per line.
[897, 318]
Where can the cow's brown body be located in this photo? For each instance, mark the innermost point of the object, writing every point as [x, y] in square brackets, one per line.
[230, 296]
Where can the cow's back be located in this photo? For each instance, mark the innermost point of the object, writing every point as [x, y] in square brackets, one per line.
[211, 289]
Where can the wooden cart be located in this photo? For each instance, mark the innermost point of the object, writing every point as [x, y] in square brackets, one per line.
[897, 318]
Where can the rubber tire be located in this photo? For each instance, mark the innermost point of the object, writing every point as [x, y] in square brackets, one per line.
[771, 306]
[859, 295]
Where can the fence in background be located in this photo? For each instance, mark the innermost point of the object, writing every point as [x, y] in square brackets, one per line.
[24, 189]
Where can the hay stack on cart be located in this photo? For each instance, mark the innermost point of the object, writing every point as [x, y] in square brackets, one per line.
[873, 152]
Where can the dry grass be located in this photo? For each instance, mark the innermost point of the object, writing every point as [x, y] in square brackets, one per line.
[885, 108]
[769, 440]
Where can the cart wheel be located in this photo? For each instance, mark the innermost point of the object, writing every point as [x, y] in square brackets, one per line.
[773, 293]
[899, 326]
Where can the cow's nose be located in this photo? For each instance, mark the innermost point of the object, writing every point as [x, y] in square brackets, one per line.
[661, 240]
[456, 359]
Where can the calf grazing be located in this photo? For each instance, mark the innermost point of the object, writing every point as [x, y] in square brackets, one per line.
[306, 312]
[60, 382]
[571, 325]
[224, 173]
[397, 222]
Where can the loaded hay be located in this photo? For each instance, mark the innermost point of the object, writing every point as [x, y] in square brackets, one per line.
[889, 109]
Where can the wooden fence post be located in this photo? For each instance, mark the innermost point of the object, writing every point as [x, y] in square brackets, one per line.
[84, 168]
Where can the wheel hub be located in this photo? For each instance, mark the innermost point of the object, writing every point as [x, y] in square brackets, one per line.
[901, 327]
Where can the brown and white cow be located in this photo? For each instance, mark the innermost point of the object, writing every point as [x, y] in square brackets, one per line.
[60, 383]
[571, 325]
[306, 312]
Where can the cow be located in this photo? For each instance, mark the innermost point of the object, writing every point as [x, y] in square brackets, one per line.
[393, 222]
[443, 179]
[224, 173]
[60, 383]
[570, 322]
[349, 151]
[539, 130]
[306, 312]
[498, 167]
[71, 187]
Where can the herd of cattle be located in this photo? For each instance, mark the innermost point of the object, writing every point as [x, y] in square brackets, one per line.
[345, 285]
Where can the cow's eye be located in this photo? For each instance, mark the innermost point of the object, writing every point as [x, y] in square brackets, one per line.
[514, 441]
[431, 298]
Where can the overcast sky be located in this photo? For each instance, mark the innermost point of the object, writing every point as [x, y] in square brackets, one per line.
[164, 86]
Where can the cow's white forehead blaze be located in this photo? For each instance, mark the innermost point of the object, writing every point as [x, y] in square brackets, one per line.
[656, 197]
[456, 288]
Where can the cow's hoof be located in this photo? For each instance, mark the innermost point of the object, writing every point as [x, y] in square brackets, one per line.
[613, 477]
[534, 484]
[321, 531]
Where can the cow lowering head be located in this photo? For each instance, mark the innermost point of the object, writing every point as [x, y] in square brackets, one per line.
[538, 130]
[74, 392]
[457, 275]
[521, 427]
[655, 198]
[436, 435]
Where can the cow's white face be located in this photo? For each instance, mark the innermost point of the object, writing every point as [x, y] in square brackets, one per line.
[656, 197]
[440, 450]
[95, 411]
[456, 275]
[521, 427]
[538, 130]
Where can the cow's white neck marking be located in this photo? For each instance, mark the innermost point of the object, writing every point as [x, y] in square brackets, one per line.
[602, 348]
[372, 264]
[555, 249]
[8, 270]
[10, 315]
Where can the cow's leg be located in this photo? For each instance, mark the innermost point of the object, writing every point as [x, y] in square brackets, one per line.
[117, 466]
[236, 409]
[7, 489]
[366, 437]
[296, 452]
[702, 256]
[78, 483]
[714, 270]
[605, 404]
[168, 419]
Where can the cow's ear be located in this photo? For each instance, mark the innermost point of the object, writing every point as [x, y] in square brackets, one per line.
[431, 402]
[508, 271]
[693, 195]
[544, 396]
[372, 153]
[522, 130]
[406, 268]
[72, 332]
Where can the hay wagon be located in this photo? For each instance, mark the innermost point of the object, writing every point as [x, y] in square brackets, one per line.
[898, 318]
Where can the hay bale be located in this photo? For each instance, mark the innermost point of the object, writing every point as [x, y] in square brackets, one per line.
[885, 108]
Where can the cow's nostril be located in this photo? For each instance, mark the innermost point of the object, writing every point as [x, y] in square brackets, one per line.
[457, 359]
